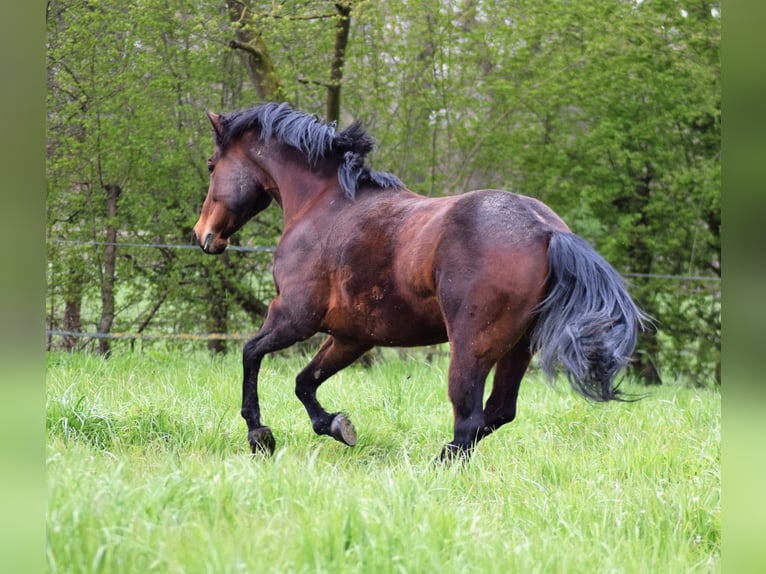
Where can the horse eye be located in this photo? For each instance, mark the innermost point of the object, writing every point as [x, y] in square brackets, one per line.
[210, 167]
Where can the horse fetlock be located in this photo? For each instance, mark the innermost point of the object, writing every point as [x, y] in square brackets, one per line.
[261, 441]
[454, 453]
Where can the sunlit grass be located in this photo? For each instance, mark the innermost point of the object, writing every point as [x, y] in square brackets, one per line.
[148, 470]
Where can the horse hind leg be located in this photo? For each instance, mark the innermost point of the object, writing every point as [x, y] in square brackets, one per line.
[467, 376]
[333, 355]
[500, 408]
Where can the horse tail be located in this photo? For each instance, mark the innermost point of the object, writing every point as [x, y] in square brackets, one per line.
[587, 324]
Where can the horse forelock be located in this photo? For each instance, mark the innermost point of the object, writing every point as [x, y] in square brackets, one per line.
[313, 138]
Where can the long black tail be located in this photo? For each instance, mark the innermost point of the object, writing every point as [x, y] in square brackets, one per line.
[587, 324]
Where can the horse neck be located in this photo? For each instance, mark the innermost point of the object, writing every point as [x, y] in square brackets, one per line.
[300, 190]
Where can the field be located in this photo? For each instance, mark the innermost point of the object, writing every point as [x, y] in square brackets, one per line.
[148, 470]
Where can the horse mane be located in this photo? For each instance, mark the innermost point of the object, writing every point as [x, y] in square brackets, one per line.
[315, 139]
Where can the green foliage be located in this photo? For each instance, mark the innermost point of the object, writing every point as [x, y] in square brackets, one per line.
[126, 106]
[148, 469]
[608, 111]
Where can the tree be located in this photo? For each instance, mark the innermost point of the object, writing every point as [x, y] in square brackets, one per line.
[120, 107]
[259, 25]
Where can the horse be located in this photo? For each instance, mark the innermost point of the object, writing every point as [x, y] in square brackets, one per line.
[368, 262]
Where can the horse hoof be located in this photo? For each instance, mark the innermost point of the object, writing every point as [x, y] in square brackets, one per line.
[342, 430]
[261, 441]
[452, 453]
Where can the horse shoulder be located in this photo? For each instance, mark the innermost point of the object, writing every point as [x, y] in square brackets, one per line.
[301, 265]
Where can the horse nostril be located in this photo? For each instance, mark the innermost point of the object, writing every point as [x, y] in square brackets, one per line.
[208, 239]
[194, 238]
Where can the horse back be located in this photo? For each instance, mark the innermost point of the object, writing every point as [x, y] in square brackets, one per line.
[407, 241]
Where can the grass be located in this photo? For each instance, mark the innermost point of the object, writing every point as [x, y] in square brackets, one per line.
[148, 470]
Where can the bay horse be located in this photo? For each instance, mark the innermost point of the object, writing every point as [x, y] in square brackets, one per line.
[369, 262]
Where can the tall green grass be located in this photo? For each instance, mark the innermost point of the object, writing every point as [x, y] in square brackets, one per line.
[148, 470]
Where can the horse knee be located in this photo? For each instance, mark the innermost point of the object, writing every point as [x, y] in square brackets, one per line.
[251, 353]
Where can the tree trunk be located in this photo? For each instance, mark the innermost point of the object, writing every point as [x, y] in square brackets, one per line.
[73, 305]
[641, 256]
[645, 366]
[217, 317]
[110, 265]
[339, 58]
[254, 52]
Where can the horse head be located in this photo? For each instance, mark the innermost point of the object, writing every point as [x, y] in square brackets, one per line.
[237, 191]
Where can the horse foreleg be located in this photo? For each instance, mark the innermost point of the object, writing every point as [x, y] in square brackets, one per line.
[260, 437]
[333, 355]
[276, 333]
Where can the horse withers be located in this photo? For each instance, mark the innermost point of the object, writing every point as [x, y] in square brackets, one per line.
[370, 263]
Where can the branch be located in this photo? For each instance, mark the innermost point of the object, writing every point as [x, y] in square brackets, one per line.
[251, 305]
[152, 312]
[303, 80]
[301, 17]
[246, 300]
[237, 45]
[257, 60]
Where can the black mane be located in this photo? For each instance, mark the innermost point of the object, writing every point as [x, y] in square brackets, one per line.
[315, 139]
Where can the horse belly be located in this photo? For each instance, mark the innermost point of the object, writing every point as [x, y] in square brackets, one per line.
[387, 320]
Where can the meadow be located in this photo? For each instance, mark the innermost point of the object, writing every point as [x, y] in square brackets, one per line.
[148, 470]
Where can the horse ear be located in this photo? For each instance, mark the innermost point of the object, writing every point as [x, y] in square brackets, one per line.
[215, 119]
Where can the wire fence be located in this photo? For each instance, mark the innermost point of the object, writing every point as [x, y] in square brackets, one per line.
[141, 336]
[244, 248]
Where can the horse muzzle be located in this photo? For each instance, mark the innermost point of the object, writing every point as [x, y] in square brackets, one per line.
[211, 244]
